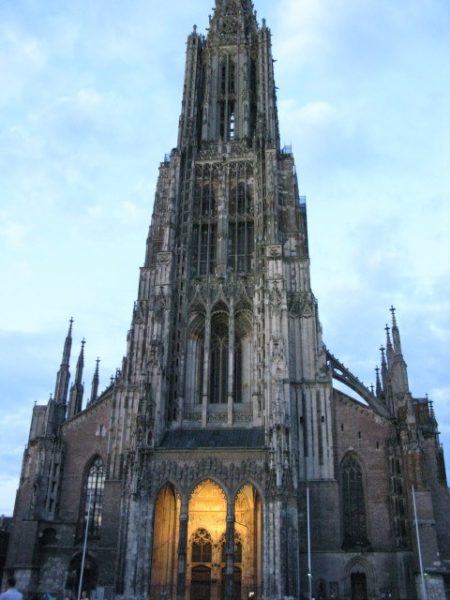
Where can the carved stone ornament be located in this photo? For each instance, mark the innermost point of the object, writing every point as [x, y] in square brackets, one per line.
[164, 258]
[308, 311]
[276, 296]
[186, 474]
[274, 252]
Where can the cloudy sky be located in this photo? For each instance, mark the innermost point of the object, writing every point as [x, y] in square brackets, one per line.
[90, 94]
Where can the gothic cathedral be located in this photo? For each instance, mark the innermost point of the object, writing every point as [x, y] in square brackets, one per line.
[221, 462]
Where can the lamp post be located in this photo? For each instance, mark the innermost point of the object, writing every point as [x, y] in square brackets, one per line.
[308, 526]
[83, 556]
[419, 548]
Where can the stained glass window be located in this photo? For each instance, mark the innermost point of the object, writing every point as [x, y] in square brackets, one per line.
[94, 489]
[355, 524]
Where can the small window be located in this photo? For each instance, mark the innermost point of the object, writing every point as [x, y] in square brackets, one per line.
[48, 537]
[231, 121]
[201, 547]
[232, 78]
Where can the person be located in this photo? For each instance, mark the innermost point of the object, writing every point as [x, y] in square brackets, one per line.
[11, 593]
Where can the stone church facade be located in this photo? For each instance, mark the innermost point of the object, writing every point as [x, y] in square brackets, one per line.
[190, 471]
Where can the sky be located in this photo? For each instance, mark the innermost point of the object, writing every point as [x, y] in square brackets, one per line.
[90, 96]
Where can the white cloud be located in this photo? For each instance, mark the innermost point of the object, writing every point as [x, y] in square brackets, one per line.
[21, 58]
[13, 233]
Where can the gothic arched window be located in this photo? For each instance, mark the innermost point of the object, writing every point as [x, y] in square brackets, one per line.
[218, 381]
[240, 229]
[208, 201]
[232, 78]
[204, 240]
[242, 194]
[355, 523]
[238, 356]
[240, 246]
[201, 547]
[223, 76]
[93, 497]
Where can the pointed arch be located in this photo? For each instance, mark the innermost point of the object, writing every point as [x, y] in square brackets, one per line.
[201, 546]
[207, 510]
[166, 519]
[353, 503]
[242, 355]
[92, 497]
[90, 573]
[248, 509]
[218, 357]
[195, 351]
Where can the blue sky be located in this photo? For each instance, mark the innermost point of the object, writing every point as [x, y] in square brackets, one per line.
[90, 95]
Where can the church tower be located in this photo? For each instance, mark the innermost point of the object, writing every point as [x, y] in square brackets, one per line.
[225, 365]
[221, 462]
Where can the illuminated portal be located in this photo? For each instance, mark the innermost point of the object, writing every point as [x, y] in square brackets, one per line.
[207, 525]
[248, 530]
[224, 543]
[165, 544]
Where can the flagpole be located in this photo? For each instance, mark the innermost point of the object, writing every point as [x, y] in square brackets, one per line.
[419, 548]
[83, 557]
[308, 521]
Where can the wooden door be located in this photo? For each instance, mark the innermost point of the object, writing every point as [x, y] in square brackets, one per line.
[359, 586]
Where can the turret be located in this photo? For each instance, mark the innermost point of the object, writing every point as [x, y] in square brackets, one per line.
[379, 389]
[77, 389]
[398, 370]
[395, 333]
[95, 382]
[56, 408]
[389, 347]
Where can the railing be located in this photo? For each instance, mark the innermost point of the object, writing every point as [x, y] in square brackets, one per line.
[159, 592]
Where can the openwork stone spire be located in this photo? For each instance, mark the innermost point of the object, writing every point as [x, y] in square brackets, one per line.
[232, 18]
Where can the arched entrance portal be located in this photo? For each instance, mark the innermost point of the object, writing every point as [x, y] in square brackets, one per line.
[90, 575]
[206, 527]
[165, 544]
[207, 546]
[359, 586]
[248, 529]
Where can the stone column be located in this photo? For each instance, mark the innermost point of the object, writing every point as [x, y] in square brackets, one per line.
[207, 351]
[182, 548]
[229, 551]
[231, 373]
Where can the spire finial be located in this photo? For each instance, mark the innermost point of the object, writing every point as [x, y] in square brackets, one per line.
[395, 332]
[378, 388]
[388, 336]
[393, 313]
[77, 389]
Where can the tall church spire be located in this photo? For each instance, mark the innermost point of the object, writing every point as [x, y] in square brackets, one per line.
[232, 18]
[77, 389]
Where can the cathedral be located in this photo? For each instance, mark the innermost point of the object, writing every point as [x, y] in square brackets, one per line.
[222, 462]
